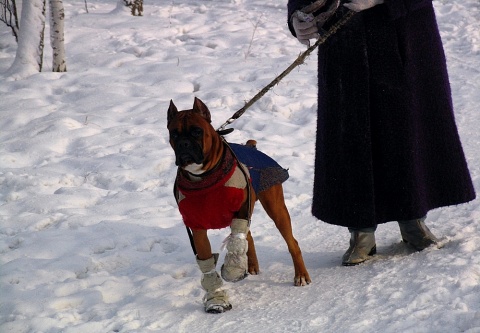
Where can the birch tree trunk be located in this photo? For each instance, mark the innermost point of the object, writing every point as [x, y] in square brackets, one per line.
[136, 6]
[57, 39]
[29, 56]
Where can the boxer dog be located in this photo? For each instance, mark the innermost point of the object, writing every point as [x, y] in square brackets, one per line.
[216, 186]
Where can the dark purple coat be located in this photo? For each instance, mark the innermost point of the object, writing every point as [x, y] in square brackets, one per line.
[387, 146]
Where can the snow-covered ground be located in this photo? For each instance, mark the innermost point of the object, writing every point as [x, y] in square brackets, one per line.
[90, 236]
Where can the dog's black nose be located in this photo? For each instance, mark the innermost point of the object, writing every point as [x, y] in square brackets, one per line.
[184, 144]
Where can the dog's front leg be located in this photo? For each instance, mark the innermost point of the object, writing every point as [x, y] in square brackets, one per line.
[235, 265]
[202, 244]
[215, 299]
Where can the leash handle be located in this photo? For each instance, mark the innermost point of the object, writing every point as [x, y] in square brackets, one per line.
[300, 60]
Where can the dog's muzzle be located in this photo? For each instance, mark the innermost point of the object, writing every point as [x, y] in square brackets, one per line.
[187, 151]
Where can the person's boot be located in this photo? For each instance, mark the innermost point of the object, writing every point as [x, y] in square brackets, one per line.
[417, 234]
[215, 299]
[362, 245]
[235, 266]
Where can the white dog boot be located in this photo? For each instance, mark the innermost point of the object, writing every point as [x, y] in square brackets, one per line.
[235, 265]
[216, 299]
[362, 245]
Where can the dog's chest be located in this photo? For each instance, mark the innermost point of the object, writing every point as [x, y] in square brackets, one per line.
[214, 207]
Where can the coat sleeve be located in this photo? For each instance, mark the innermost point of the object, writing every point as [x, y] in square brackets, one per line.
[292, 6]
[395, 8]
[401, 8]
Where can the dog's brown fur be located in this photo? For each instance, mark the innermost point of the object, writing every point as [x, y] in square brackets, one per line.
[271, 199]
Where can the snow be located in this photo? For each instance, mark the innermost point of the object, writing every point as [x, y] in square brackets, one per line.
[90, 236]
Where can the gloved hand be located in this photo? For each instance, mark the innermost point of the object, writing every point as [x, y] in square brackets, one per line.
[359, 5]
[305, 27]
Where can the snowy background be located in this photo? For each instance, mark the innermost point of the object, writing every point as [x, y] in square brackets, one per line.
[90, 236]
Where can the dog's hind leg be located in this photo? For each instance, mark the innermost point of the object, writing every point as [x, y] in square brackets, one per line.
[273, 202]
[253, 267]
[215, 299]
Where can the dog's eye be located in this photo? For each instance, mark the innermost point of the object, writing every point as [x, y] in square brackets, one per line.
[196, 132]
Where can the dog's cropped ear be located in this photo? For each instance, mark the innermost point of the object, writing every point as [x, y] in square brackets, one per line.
[201, 108]
[172, 111]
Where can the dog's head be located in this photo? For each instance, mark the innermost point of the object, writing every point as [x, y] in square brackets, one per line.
[196, 143]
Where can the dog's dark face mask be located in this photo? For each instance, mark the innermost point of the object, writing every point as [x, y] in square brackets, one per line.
[187, 145]
[186, 134]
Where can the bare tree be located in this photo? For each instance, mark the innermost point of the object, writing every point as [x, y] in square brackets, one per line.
[135, 5]
[57, 39]
[8, 15]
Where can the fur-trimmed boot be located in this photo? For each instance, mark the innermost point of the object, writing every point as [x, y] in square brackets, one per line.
[235, 265]
[417, 234]
[216, 299]
[362, 245]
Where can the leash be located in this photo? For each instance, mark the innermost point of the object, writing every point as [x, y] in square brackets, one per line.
[300, 60]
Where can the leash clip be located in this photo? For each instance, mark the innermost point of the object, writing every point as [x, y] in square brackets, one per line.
[222, 131]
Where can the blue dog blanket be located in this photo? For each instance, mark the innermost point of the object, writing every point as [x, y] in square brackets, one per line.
[264, 171]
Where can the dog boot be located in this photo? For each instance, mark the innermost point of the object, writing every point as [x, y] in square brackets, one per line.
[235, 265]
[215, 299]
[362, 245]
[416, 233]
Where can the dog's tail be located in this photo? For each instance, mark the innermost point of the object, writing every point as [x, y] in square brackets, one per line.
[251, 143]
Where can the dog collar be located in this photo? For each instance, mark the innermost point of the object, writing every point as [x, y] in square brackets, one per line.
[218, 175]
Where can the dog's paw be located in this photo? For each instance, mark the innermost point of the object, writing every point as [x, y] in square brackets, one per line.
[253, 269]
[301, 280]
[218, 308]
[253, 266]
[233, 274]
[216, 301]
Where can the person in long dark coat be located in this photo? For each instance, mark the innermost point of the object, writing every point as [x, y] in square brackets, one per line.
[387, 146]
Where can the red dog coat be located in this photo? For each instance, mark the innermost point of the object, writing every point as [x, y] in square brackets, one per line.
[212, 202]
